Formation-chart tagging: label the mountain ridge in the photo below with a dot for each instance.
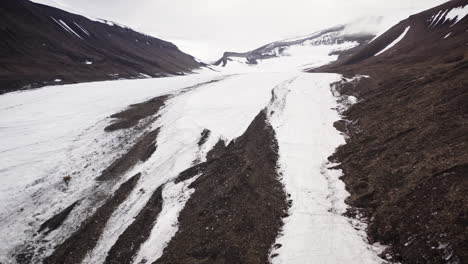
(333, 35)
(43, 45)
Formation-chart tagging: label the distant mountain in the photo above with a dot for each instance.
(42, 45)
(331, 36)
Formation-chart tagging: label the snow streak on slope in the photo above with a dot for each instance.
(315, 231)
(391, 45)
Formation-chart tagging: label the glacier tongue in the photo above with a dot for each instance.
(44, 128)
(316, 231)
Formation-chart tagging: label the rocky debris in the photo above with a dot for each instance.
(217, 151)
(132, 238)
(136, 112)
(405, 161)
(55, 221)
(141, 151)
(75, 248)
(204, 137)
(235, 212)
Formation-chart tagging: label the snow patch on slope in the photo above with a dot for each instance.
(457, 14)
(82, 29)
(396, 41)
(435, 18)
(453, 16)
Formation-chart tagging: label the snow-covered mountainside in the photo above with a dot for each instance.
(435, 29)
(301, 45)
(42, 45)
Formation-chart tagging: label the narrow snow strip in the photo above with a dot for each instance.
(61, 25)
(394, 42)
(82, 29)
(435, 18)
(315, 231)
(457, 14)
(66, 27)
(175, 196)
(448, 35)
(145, 75)
(69, 29)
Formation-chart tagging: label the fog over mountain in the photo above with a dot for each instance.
(206, 28)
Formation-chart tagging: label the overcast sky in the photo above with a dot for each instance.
(206, 28)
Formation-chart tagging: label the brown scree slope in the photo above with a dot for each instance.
(406, 160)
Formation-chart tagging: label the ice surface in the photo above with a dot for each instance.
(315, 231)
(391, 45)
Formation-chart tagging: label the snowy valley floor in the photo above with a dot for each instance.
(232, 167)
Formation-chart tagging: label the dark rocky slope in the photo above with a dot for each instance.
(41, 44)
(406, 160)
(240, 221)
